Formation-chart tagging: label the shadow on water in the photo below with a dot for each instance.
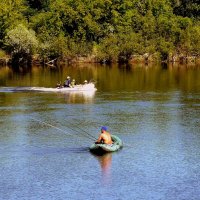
(49, 150)
(62, 150)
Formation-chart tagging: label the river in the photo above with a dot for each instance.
(155, 110)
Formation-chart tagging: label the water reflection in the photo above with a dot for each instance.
(110, 77)
(105, 162)
(75, 97)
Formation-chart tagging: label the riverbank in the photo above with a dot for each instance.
(134, 59)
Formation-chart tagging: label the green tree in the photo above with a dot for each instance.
(47, 25)
(187, 8)
(108, 50)
(39, 4)
(22, 43)
(195, 40)
(129, 44)
(11, 14)
(111, 29)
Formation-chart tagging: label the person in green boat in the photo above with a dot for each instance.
(104, 137)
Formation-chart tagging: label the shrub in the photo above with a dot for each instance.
(21, 43)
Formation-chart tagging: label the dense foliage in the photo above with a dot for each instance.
(109, 30)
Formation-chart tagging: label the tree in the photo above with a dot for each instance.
(39, 4)
(113, 29)
(187, 8)
(47, 25)
(195, 40)
(22, 43)
(11, 14)
(107, 50)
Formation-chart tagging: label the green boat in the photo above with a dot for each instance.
(103, 148)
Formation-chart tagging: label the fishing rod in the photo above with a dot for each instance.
(125, 144)
(78, 127)
(91, 136)
(61, 130)
(88, 135)
(42, 122)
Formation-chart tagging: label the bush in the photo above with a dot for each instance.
(21, 43)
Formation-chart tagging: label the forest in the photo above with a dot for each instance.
(101, 30)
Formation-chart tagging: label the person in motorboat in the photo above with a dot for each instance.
(59, 85)
(73, 83)
(104, 137)
(85, 82)
(67, 82)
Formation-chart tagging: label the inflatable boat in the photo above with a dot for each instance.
(103, 148)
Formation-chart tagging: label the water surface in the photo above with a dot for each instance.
(44, 144)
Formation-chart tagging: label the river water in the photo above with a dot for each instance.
(44, 143)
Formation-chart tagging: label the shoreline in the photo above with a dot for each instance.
(135, 59)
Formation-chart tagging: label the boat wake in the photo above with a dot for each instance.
(78, 88)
